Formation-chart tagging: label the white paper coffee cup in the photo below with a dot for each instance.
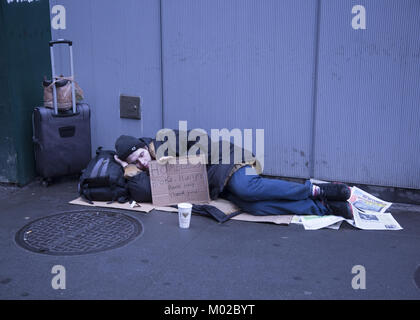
(184, 214)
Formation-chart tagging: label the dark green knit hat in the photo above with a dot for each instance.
(126, 145)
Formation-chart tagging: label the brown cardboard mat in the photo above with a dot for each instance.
(223, 205)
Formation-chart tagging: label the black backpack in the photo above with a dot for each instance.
(103, 179)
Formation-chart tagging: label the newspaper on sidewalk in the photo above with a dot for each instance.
(371, 220)
(369, 213)
(365, 201)
(314, 222)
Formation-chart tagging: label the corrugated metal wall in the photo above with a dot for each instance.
(243, 64)
(368, 97)
(116, 51)
(335, 103)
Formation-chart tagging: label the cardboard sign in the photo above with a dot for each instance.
(182, 181)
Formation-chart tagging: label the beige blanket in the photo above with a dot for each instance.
(222, 204)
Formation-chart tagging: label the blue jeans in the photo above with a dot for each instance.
(264, 196)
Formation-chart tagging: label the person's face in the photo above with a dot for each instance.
(141, 158)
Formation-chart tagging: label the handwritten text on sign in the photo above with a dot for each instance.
(175, 183)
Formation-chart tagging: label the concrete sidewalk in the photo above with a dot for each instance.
(234, 260)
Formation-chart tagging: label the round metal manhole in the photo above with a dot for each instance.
(417, 277)
(78, 232)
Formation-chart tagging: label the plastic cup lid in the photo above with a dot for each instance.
(185, 205)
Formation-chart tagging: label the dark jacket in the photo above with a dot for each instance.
(218, 173)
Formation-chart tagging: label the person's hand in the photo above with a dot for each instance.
(165, 160)
(122, 163)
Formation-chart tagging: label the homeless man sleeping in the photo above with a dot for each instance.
(236, 182)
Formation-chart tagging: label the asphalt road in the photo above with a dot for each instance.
(234, 260)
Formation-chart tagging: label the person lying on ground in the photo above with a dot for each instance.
(236, 182)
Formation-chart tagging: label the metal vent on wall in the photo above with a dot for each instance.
(130, 107)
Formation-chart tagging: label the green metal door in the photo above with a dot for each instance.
(24, 60)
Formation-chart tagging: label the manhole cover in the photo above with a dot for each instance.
(417, 277)
(78, 232)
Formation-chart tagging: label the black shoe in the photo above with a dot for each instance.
(340, 208)
(335, 191)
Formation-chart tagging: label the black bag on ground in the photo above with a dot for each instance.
(103, 179)
(139, 187)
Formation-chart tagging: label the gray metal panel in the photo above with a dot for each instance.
(116, 51)
(243, 64)
(367, 111)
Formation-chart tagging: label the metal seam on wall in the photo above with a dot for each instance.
(162, 101)
(314, 90)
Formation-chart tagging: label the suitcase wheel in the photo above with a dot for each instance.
(46, 182)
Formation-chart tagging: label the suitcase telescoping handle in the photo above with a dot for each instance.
(53, 42)
(73, 92)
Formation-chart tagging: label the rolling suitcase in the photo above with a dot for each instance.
(62, 140)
